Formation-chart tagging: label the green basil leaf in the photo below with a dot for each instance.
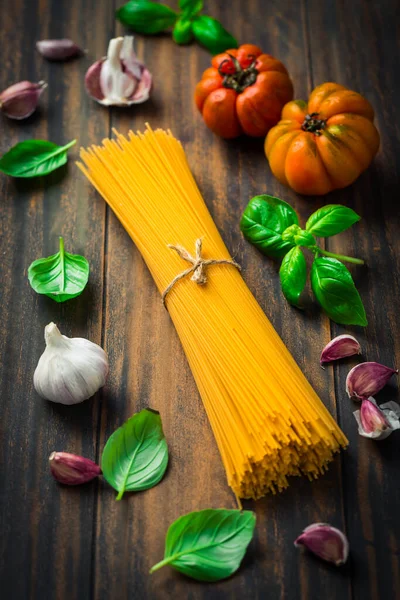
(264, 220)
(61, 276)
(135, 456)
(208, 545)
(190, 8)
(182, 32)
(34, 158)
(210, 33)
(293, 275)
(334, 289)
(331, 219)
(146, 17)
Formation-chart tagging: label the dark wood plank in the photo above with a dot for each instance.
(79, 543)
(356, 44)
(149, 367)
(47, 530)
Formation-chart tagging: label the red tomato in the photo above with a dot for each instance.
(243, 92)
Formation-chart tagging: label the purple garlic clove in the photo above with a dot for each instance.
(119, 79)
(340, 347)
(367, 379)
(20, 100)
(372, 418)
(376, 422)
(72, 469)
(325, 541)
(59, 49)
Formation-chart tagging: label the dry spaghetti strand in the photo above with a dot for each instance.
(268, 422)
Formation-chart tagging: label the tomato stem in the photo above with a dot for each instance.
(240, 78)
(313, 125)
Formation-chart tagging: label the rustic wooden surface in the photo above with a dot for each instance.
(78, 543)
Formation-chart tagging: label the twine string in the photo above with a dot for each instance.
(198, 267)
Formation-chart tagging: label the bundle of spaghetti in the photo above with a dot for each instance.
(267, 420)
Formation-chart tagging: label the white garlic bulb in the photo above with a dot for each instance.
(70, 370)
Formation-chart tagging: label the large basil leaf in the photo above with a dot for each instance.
(331, 219)
(146, 17)
(61, 276)
(334, 289)
(293, 275)
(210, 33)
(135, 456)
(208, 545)
(264, 220)
(34, 158)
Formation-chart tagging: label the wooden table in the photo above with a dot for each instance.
(78, 543)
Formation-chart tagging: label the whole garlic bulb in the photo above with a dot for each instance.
(70, 370)
(119, 79)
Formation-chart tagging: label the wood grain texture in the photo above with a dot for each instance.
(370, 471)
(47, 533)
(60, 543)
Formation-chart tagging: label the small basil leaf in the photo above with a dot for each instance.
(298, 236)
(190, 8)
(61, 276)
(264, 220)
(182, 32)
(331, 219)
(293, 275)
(146, 17)
(304, 238)
(135, 456)
(33, 158)
(208, 545)
(290, 232)
(210, 33)
(334, 289)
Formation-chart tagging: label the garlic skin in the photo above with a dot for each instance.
(377, 422)
(70, 370)
(62, 49)
(71, 469)
(367, 379)
(340, 347)
(119, 79)
(20, 100)
(325, 541)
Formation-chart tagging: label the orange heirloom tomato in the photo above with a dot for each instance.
(325, 144)
(243, 92)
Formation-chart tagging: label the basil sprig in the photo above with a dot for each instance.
(273, 227)
(208, 545)
(61, 276)
(150, 18)
(135, 456)
(33, 158)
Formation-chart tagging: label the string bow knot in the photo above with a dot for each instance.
(198, 267)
